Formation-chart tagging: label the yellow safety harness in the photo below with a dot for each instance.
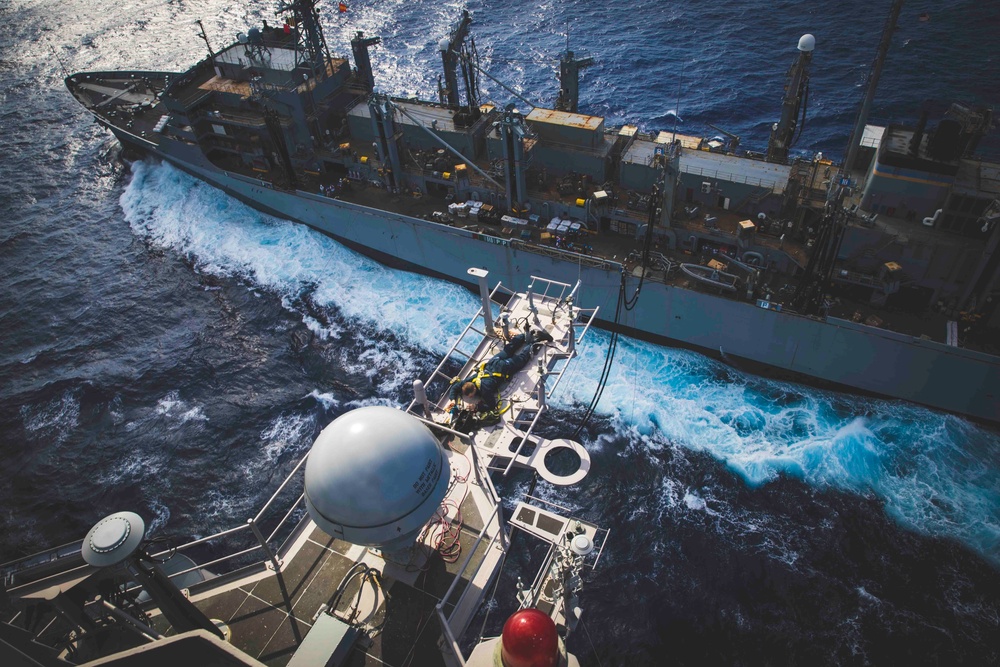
(481, 373)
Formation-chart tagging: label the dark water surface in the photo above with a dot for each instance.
(169, 351)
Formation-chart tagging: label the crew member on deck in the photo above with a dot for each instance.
(481, 389)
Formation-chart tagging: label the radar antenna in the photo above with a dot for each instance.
(119, 540)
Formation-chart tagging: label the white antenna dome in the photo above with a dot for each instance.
(444, 44)
(807, 43)
(581, 545)
(374, 477)
(113, 539)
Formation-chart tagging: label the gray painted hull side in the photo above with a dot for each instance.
(832, 350)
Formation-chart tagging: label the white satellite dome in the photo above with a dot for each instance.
(807, 43)
(374, 477)
(113, 539)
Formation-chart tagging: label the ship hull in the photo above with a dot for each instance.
(828, 350)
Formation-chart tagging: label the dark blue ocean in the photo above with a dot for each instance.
(167, 350)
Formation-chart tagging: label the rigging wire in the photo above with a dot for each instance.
(647, 245)
(628, 303)
(608, 361)
(587, 632)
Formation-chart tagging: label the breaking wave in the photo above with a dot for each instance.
(936, 473)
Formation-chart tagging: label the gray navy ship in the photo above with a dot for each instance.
(881, 274)
(387, 544)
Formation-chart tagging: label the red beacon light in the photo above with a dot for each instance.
(529, 639)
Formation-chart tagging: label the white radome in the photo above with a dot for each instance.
(374, 477)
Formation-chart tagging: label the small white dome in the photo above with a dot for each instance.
(807, 43)
(374, 477)
(113, 539)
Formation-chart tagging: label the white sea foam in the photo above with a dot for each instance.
(161, 517)
(287, 433)
(53, 421)
(938, 474)
(172, 406)
(225, 238)
(695, 502)
(136, 466)
(326, 399)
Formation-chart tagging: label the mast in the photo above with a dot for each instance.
(513, 135)
(450, 52)
(312, 43)
(796, 94)
(873, 76)
(569, 80)
(204, 36)
(362, 60)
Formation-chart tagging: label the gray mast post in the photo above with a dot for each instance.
(420, 396)
(384, 126)
(513, 132)
(569, 80)
(449, 47)
(873, 77)
(362, 60)
(540, 385)
(783, 132)
(484, 294)
(204, 36)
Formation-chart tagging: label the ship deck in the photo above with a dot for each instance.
(270, 614)
(125, 99)
(317, 596)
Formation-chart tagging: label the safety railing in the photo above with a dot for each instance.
(18, 573)
(729, 177)
(455, 349)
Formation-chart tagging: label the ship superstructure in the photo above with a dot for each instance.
(882, 277)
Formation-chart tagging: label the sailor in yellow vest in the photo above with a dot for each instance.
(481, 388)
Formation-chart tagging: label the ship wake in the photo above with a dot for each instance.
(934, 473)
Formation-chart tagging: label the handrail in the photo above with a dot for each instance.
(264, 542)
(726, 176)
(524, 437)
(465, 564)
(188, 545)
(281, 488)
(471, 326)
(452, 643)
(291, 509)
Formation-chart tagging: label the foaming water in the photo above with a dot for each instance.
(222, 237)
(173, 407)
(55, 420)
(936, 473)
